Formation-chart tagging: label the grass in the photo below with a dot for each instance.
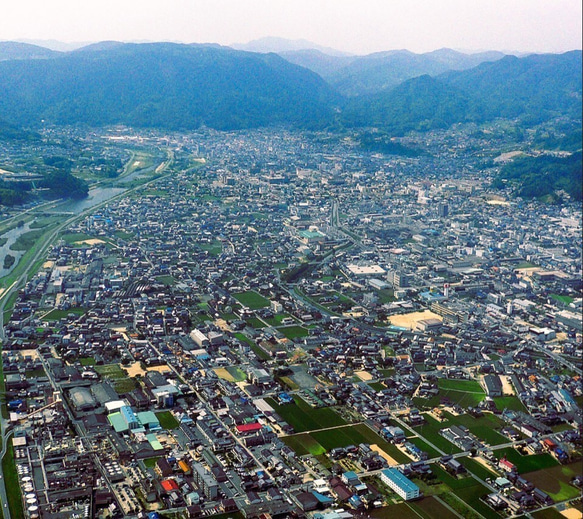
(26, 240)
(72, 237)
(251, 299)
(472, 494)
(483, 427)
(475, 467)
(214, 248)
(431, 452)
(432, 509)
(55, 315)
(555, 480)
(303, 417)
(566, 300)
(254, 322)
(150, 463)
(528, 463)
(237, 374)
(400, 510)
(468, 386)
(87, 361)
(294, 332)
(260, 352)
(121, 382)
(277, 319)
(167, 420)
(462, 398)
(12, 484)
(166, 280)
(303, 444)
(548, 513)
(512, 403)
(431, 430)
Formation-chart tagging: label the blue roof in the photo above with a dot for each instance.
(322, 498)
(128, 414)
(404, 483)
(565, 394)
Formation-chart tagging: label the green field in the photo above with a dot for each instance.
(254, 322)
(27, 240)
(431, 508)
(566, 300)
(12, 483)
(467, 386)
(71, 238)
(482, 427)
(527, 463)
(464, 399)
(511, 403)
(167, 420)
(400, 510)
(121, 382)
(251, 299)
(303, 417)
(55, 315)
(477, 468)
(548, 513)
(472, 494)
(319, 442)
(150, 462)
(303, 443)
(431, 452)
(555, 480)
(293, 332)
(431, 430)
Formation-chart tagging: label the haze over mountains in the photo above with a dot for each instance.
(180, 86)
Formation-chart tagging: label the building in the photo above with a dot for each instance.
(402, 486)
(493, 385)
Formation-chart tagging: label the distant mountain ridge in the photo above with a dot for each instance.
(534, 88)
(186, 86)
(359, 75)
(163, 85)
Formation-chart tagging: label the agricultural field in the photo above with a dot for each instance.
(431, 429)
(528, 463)
(167, 420)
(555, 480)
(512, 403)
(320, 442)
(251, 299)
(465, 393)
(400, 510)
(55, 315)
(477, 468)
(303, 417)
(293, 332)
(482, 427)
(431, 508)
(114, 372)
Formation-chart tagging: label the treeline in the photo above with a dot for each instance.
(59, 182)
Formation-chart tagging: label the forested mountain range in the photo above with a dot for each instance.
(177, 86)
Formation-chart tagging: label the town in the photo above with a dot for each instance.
(273, 323)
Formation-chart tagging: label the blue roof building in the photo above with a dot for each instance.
(402, 485)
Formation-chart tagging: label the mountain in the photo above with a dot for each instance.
(534, 89)
(59, 46)
(17, 50)
(279, 45)
(358, 75)
(164, 85)
(422, 103)
(538, 86)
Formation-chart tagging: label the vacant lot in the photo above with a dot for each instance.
(468, 386)
(410, 320)
(121, 382)
(251, 299)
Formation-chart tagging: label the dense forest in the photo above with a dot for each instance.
(543, 175)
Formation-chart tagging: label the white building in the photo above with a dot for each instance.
(402, 486)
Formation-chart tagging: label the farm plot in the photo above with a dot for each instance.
(303, 417)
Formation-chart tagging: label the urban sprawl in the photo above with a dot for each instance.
(280, 324)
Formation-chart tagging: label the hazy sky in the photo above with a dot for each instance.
(358, 26)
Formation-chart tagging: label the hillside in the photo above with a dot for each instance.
(164, 85)
(16, 50)
(532, 89)
(361, 75)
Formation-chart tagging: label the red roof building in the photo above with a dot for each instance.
(249, 428)
(169, 485)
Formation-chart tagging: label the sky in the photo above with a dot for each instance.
(354, 26)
